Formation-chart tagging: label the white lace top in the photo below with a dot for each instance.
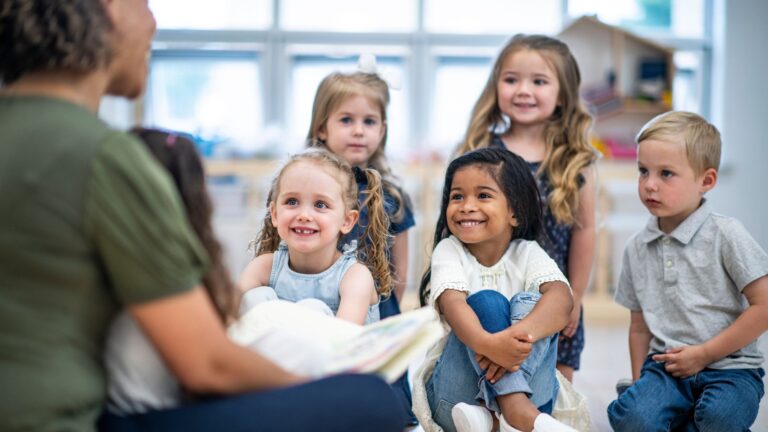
(525, 266)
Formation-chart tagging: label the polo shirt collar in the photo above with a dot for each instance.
(685, 231)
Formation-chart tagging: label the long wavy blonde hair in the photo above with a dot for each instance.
(372, 246)
(568, 150)
(336, 88)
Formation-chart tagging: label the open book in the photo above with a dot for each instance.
(335, 346)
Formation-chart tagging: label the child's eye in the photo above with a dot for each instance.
(291, 202)
(510, 80)
(483, 195)
(539, 81)
(371, 122)
(642, 171)
(321, 205)
(456, 197)
(346, 120)
(666, 173)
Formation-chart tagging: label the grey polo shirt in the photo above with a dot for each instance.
(689, 283)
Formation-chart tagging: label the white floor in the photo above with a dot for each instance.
(606, 359)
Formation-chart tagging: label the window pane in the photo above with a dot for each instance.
(688, 84)
(213, 15)
(680, 18)
(492, 16)
(457, 85)
(307, 73)
(349, 15)
(217, 98)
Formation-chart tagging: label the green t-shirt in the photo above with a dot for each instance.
(89, 222)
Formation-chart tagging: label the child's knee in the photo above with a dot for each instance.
(491, 308)
(522, 304)
(255, 296)
(316, 305)
(724, 413)
(626, 416)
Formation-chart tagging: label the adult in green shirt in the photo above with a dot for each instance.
(89, 223)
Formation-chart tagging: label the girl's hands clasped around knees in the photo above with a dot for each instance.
(506, 350)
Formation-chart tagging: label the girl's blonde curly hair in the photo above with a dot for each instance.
(372, 245)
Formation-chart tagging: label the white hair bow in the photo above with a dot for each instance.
(366, 63)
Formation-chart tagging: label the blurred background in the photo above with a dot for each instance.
(240, 77)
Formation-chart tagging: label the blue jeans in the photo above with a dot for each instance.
(458, 378)
(712, 400)
(338, 403)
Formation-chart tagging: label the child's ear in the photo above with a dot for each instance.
(350, 219)
(708, 180)
(272, 213)
(513, 220)
(321, 133)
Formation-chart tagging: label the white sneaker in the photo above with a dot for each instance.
(542, 423)
(547, 423)
(471, 418)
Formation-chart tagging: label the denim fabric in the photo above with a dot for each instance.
(339, 403)
(713, 400)
(458, 378)
(324, 286)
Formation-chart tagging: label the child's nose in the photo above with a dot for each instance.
(305, 214)
(469, 206)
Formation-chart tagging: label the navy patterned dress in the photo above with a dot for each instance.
(556, 240)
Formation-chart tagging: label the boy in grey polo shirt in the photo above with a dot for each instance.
(696, 285)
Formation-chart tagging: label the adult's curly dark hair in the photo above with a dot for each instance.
(39, 35)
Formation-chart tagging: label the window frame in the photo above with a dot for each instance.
(422, 52)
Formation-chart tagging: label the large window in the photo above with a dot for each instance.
(241, 74)
(214, 96)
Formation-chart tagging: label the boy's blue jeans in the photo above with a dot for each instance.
(458, 378)
(712, 400)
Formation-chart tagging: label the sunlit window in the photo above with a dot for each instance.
(349, 15)
(217, 98)
(309, 70)
(457, 85)
(492, 16)
(680, 18)
(212, 15)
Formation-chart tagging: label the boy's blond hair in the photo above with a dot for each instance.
(701, 138)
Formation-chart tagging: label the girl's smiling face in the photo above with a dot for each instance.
(354, 130)
(308, 211)
(478, 214)
(528, 88)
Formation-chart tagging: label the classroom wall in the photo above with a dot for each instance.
(740, 110)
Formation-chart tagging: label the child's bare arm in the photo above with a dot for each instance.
(503, 348)
(357, 292)
(399, 255)
(753, 322)
(639, 341)
(256, 273)
(551, 312)
(582, 248)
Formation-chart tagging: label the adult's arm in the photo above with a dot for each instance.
(187, 333)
